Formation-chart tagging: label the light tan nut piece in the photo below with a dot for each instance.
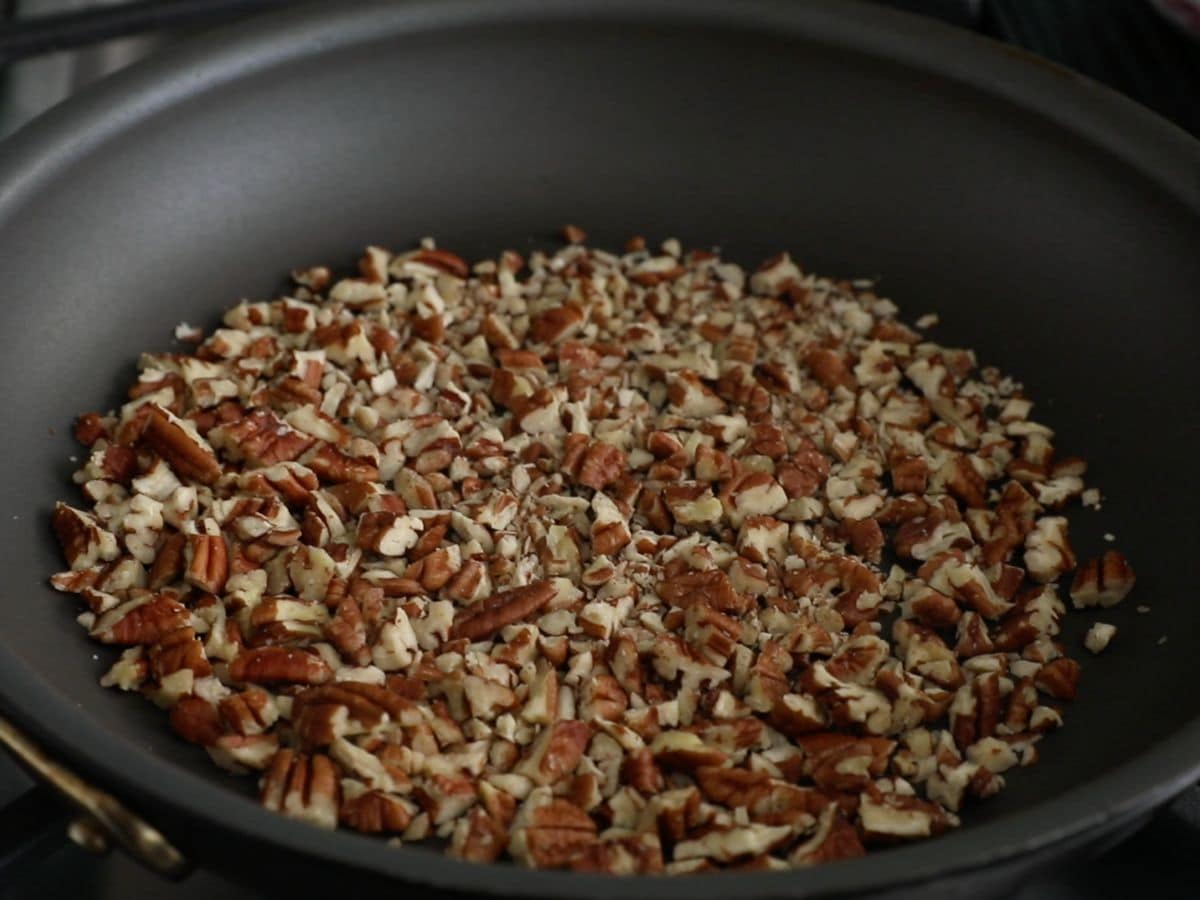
(1099, 636)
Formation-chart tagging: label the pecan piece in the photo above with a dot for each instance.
(348, 632)
(178, 650)
(143, 620)
(302, 787)
(711, 588)
(1059, 678)
(635, 854)
(178, 442)
(320, 715)
(168, 562)
(594, 464)
(556, 751)
(500, 609)
(374, 812)
(275, 665)
(549, 833)
(260, 439)
(196, 720)
(1103, 582)
(482, 839)
(84, 542)
(834, 838)
(206, 557)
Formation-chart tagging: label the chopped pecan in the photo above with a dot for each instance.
(84, 542)
(302, 787)
(374, 812)
(556, 751)
(548, 833)
(501, 609)
(322, 714)
(1059, 678)
(1048, 552)
(709, 587)
(273, 665)
(594, 464)
(834, 838)
(146, 619)
(260, 439)
(196, 720)
(1103, 582)
(206, 557)
(576, 559)
(177, 441)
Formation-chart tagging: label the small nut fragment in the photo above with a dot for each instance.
(1099, 636)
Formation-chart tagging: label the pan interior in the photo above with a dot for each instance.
(1045, 254)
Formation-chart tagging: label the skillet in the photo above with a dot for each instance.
(1053, 226)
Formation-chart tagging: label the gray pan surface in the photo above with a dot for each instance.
(1053, 226)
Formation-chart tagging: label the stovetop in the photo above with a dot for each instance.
(1120, 42)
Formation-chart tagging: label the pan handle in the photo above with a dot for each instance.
(102, 820)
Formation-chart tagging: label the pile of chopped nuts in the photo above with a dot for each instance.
(622, 563)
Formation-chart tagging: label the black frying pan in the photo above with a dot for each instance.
(1055, 228)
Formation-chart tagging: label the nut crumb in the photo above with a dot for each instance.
(1099, 635)
(189, 334)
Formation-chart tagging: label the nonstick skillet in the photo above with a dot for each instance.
(1053, 226)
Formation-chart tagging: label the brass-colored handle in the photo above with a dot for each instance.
(103, 819)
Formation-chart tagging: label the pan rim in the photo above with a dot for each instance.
(1146, 145)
